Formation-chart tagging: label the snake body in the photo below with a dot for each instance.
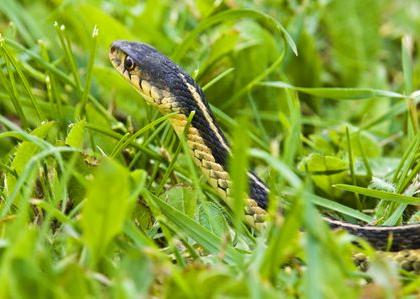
(168, 87)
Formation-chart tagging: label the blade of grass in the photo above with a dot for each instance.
(407, 66)
(7, 55)
(15, 14)
(118, 146)
(407, 162)
(335, 206)
(397, 109)
(384, 195)
(218, 78)
(364, 158)
(62, 76)
(146, 128)
(396, 215)
(352, 174)
(117, 136)
(11, 86)
(410, 177)
(292, 141)
(336, 92)
(89, 72)
(66, 45)
(238, 165)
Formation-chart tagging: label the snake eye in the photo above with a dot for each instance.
(129, 63)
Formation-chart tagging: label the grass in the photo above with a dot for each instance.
(100, 199)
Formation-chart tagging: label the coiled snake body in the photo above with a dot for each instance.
(169, 88)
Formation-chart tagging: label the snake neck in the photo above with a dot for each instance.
(208, 144)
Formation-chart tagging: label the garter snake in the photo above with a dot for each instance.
(170, 89)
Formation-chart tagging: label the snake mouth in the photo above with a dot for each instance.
(117, 57)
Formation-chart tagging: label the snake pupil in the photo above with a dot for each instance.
(128, 63)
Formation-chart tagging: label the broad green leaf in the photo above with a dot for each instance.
(106, 207)
(322, 165)
(369, 144)
(75, 138)
(325, 171)
(182, 199)
(211, 217)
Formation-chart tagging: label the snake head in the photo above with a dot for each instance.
(154, 75)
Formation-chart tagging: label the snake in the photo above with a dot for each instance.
(169, 88)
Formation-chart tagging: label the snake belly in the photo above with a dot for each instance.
(170, 89)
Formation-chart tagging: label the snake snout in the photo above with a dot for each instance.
(115, 56)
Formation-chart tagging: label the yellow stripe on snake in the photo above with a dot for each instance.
(170, 89)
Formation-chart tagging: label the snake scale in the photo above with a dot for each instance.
(170, 89)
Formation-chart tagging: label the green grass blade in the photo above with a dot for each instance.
(92, 55)
(336, 92)
(65, 44)
(24, 81)
(351, 166)
(335, 206)
(292, 141)
(397, 198)
(238, 166)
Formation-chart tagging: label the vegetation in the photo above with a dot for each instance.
(99, 198)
